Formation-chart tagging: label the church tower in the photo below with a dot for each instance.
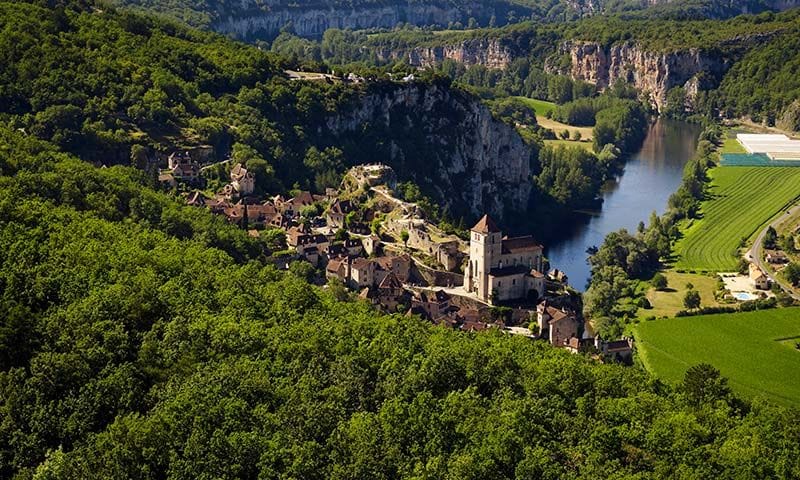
(485, 247)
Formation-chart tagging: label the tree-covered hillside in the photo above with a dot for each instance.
(119, 88)
(207, 13)
(143, 339)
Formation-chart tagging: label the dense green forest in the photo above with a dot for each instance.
(144, 339)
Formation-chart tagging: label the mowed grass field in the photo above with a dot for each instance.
(731, 145)
(741, 200)
(668, 302)
(752, 349)
(541, 107)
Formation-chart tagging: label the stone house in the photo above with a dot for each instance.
(502, 268)
(372, 244)
(616, 350)
(399, 265)
(187, 172)
(759, 279)
(362, 273)
(338, 212)
(262, 215)
(777, 258)
(177, 158)
(339, 268)
(556, 325)
(433, 305)
(294, 205)
(391, 293)
(242, 180)
(353, 246)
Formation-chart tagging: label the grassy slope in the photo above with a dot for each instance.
(668, 303)
(731, 145)
(745, 347)
(741, 200)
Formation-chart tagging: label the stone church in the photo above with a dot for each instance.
(502, 268)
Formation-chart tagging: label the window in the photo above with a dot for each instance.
(513, 282)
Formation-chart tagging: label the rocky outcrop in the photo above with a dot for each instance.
(488, 52)
(444, 140)
(252, 21)
(652, 73)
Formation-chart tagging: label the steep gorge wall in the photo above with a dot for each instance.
(444, 140)
(488, 52)
(251, 22)
(652, 73)
(716, 9)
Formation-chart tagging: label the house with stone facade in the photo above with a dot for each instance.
(338, 212)
(759, 278)
(242, 180)
(558, 326)
(501, 268)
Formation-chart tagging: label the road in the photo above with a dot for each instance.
(755, 254)
(202, 169)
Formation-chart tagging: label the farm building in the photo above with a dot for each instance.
(774, 146)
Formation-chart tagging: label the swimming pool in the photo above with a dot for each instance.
(744, 296)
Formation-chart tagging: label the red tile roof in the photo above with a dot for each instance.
(485, 225)
(391, 281)
(520, 244)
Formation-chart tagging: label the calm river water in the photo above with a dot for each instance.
(650, 177)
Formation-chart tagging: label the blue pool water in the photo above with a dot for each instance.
(744, 296)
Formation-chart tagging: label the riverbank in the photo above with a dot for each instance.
(646, 181)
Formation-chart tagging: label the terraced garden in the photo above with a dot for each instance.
(755, 350)
(741, 200)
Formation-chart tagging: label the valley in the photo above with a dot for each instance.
(442, 240)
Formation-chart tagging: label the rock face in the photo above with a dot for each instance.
(716, 9)
(253, 20)
(445, 141)
(652, 73)
(488, 52)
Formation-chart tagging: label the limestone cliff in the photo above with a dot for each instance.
(444, 140)
(252, 19)
(714, 9)
(489, 52)
(652, 73)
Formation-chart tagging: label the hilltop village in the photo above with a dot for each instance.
(367, 239)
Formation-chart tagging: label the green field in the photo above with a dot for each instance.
(752, 349)
(741, 200)
(542, 107)
(731, 145)
(569, 143)
(670, 301)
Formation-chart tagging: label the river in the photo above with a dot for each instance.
(651, 175)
